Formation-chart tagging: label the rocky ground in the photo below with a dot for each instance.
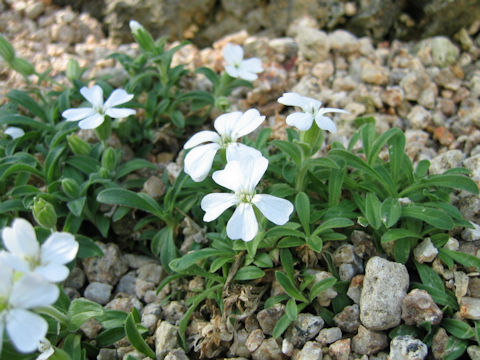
(429, 88)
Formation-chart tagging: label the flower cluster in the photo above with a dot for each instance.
(28, 273)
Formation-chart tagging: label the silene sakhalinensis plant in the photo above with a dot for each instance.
(265, 209)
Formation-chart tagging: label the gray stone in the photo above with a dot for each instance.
(98, 292)
(348, 319)
(470, 308)
(368, 342)
(151, 272)
(425, 251)
(310, 351)
(448, 160)
(142, 287)
(91, 328)
(444, 52)
(384, 287)
(34, 9)
(313, 44)
(473, 164)
(419, 117)
(127, 283)
(165, 339)
(393, 95)
(136, 261)
(439, 343)
(154, 187)
(108, 268)
(304, 328)
(238, 347)
(340, 350)
(254, 340)
(150, 315)
(471, 234)
(418, 306)
(176, 354)
(107, 354)
(355, 289)
(329, 335)
(414, 83)
(76, 279)
(374, 74)
(474, 352)
(325, 297)
(268, 350)
(174, 311)
(343, 42)
(267, 318)
(124, 302)
(407, 348)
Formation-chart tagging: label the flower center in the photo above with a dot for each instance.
(3, 304)
(99, 109)
(245, 196)
(225, 141)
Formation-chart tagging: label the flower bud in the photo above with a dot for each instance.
(109, 159)
(78, 146)
(73, 70)
(104, 173)
(7, 52)
(44, 213)
(142, 36)
(71, 188)
(22, 66)
(222, 103)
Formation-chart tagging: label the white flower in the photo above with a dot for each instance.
(230, 127)
(237, 67)
(311, 110)
(135, 26)
(242, 176)
(46, 350)
(25, 254)
(25, 328)
(14, 132)
(93, 117)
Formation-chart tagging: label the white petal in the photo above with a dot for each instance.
(233, 54)
(254, 171)
(232, 71)
(232, 177)
(302, 121)
(225, 123)
(32, 291)
(293, 99)
(20, 239)
(25, 329)
(248, 122)
(253, 65)
(275, 209)
(243, 223)
(246, 75)
(59, 248)
(92, 122)
(52, 272)
(2, 327)
(333, 110)
(14, 132)
(119, 113)
(325, 123)
(6, 274)
(78, 114)
(14, 261)
(215, 204)
(94, 95)
(241, 152)
(198, 161)
(117, 97)
(201, 137)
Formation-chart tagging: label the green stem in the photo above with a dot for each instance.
(300, 179)
(54, 313)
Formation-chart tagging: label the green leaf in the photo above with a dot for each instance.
(76, 206)
(289, 242)
(87, 247)
(210, 74)
(275, 300)
(110, 336)
(122, 197)
(133, 165)
(178, 119)
(22, 98)
(282, 324)
(20, 120)
(263, 260)
(136, 339)
(321, 286)
(195, 256)
(439, 296)
(11, 205)
(462, 258)
(372, 211)
(315, 242)
(332, 223)
(289, 287)
(280, 231)
(290, 150)
(397, 234)
(458, 328)
(380, 142)
(72, 346)
(249, 273)
(291, 310)
(434, 217)
(401, 250)
(81, 310)
(302, 206)
(286, 260)
(390, 212)
(454, 348)
(335, 182)
(168, 251)
(429, 276)
(405, 330)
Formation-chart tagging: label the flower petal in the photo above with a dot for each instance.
(6, 274)
(20, 239)
(94, 95)
(232, 71)
(275, 209)
(293, 99)
(198, 161)
(32, 291)
(14, 261)
(215, 204)
(25, 329)
(14, 132)
(91, 122)
(325, 123)
(246, 75)
(243, 223)
(300, 120)
(333, 110)
(253, 65)
(119, 113)
(201, 137)
(52, 272)
(241, 152)
(225, 123)
(78, 114)
(231, 177)
(59, 248)
(248, 122)
(233, 54)
(254, 171)
(117, 97)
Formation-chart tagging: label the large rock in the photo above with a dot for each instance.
(384, 287)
